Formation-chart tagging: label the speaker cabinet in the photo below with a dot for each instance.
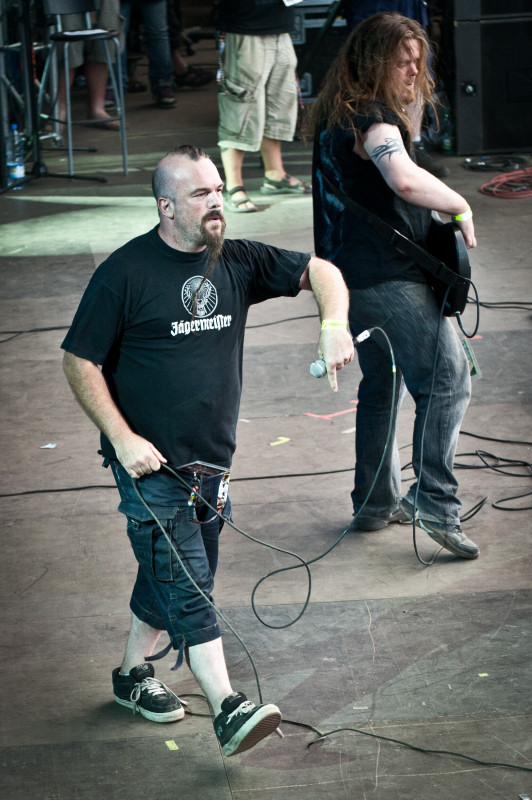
(493, 78)
(315, 44)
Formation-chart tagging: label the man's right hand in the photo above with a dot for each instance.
(138, 456)
(468, 232)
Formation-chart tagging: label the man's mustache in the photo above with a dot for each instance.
(213, 215)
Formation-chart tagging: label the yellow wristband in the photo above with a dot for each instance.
(463, 217)
(333, 323)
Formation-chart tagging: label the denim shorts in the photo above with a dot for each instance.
(164, 596)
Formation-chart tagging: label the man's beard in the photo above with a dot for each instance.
(214, 243)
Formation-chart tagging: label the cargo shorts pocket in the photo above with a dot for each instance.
(152, 549)
(234, 118)
(236, 93)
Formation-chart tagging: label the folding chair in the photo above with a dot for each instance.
(62, 39)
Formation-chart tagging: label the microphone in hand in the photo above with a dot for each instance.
(318, 369)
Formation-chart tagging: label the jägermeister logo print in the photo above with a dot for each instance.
(206, 299)
(200, 307)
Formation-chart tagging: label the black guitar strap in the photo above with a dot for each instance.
(397, 240)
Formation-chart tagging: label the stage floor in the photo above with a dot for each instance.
(437, 657)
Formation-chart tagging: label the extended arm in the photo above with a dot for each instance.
(335, 345)
(137, 455)
(383, 144)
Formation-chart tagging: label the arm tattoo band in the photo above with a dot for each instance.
(391, 146)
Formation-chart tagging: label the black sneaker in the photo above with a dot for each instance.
(241, 724)
(164, 96)
(451, 537)
(146, 695)
(365, 522)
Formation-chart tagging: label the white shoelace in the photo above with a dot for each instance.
(243, 708)
(151, 686)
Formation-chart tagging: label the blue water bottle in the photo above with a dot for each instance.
(16, 170)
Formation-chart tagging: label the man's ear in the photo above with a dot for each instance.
(166, 207)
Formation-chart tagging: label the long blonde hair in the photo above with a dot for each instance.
(361, 76)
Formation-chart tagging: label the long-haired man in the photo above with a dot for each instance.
(363, 144)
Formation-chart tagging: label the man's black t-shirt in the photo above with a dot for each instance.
(254, 17)
(177, 377)
(339, 235)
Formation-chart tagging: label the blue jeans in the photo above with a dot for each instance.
(155, 18)
(409, 315)
(163, 595)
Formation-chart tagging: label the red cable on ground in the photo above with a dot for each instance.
(510, 185)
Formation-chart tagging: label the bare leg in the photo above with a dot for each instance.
(180, 65)
(141, 643)
(273, 163)
(207, 663)
(273, 160)
(253, 723)
(270, 150)
(233, 161)
(96, 73)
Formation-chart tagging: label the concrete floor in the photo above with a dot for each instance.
(438, 657)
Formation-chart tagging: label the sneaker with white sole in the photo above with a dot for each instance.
(365, 522)
(241, 724)
(146, 695)
(451, 537)
(164, 96)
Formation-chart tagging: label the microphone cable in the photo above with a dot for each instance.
(479, 505)
(320, 736)
(458, 316)
(422, 442)
(302, 562)
(187, 573)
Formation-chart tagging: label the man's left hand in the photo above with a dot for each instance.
(336, 348)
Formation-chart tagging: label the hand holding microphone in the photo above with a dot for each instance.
(318, 368)
(335, 348)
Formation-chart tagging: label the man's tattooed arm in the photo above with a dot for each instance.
(390, 147)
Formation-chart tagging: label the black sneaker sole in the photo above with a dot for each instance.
(252, 732)
(153, 716)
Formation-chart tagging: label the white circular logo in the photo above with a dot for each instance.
(206, 299)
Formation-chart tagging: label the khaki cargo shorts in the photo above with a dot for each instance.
(109, 18)
(258, 90)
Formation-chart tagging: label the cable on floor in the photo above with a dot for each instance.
(320, 736)
(510, 186)
(466, 516)
(515, 305)
(13, 334)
